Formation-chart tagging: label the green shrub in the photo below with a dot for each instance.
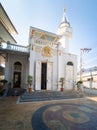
(79, 82)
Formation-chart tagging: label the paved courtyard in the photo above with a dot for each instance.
(64, 114)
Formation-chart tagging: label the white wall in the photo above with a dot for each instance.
(12, 58)
(66, 57)
(59, 65)
(65, 43)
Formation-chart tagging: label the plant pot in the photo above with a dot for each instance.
(30, 90)
(62, 89)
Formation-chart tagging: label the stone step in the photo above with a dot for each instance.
(41, 96)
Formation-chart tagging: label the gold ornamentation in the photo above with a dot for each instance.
(47, 51)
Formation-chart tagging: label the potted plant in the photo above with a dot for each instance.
(3, 82)
(80, 84)
(30, 81)
(62, 83)
(2, 86)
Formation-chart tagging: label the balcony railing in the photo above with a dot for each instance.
(14, 47)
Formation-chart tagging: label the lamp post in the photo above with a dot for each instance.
(82, 50)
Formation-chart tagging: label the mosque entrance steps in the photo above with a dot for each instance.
(48, 95)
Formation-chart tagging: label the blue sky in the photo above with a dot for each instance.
(47, 15)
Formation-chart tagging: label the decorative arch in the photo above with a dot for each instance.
(17, 66)
(17, 63)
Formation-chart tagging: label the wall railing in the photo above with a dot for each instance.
(14, 47)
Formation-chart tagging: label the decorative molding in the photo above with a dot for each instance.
(38, 49)
(46, 51)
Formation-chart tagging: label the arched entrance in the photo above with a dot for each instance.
(17, 75)
(69, 74)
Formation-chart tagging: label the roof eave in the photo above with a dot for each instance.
(15, 31)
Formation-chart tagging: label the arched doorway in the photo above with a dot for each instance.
(17, 75)
(69, 74)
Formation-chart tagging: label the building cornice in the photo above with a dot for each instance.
(8, 33)
(9, 26)
(46, 32)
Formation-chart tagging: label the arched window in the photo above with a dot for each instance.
(70, 63)
(17, 66)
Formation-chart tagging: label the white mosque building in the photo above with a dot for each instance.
(47, 59)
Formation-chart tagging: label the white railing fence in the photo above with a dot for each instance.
(14, 47)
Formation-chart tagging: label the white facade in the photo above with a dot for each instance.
(17, 69)
(47, 59)
(50, 58)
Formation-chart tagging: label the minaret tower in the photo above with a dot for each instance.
(65, 31)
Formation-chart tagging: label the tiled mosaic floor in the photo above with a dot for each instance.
(76, 114)
(65, 117)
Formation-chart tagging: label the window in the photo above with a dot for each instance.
(70, 63)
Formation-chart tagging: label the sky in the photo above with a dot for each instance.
(47, 15)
